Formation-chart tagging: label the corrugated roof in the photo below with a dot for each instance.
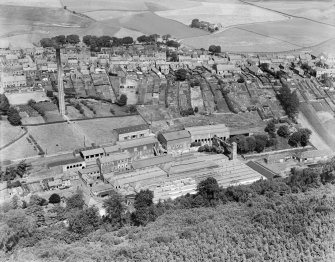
(66, 162)
(208, 129)
(175, 135)
(153, 161)
(261, 169)
(110, 149)
(92, 151)
(130, 129)
(138, 142)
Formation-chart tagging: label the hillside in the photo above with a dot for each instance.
(281, 220)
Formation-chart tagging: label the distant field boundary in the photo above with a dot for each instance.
(80, 119)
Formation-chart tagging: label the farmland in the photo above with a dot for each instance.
(150, 23)
(227, 14)
(237, 40)
(322, 11)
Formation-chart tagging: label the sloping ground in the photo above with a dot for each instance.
(237, 40)
(228, 14)
(40, 16)
(300, 32)
(322, 11)
(35, 3)
(150, 23)
(89, 5)
(321, 137)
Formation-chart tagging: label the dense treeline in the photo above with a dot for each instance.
(59, 40)
(289, 219)
(289, 100)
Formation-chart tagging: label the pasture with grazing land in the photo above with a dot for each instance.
(227, 14)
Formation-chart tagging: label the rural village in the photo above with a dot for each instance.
(154, 114)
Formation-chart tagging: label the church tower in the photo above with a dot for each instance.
(61, 99)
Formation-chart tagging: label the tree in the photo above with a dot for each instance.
(132, 109)
(127, 40)
(122, 100)
(209, 190)
(181, 74)
(84, 221)
(260, 143)
(145, 210)
(54, 199)
(14, 117)
(72, 39)
(289, 100)
(295, 139)
(283, 131)
(115, 209)
(305, 136)
(46, 42)
(4, 104)
(195, 23)
(172, 43)
(251, 143)
(270, 127)
(75, 201)
(166, 37)
(214, 49)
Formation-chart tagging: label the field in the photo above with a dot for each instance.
(150, 23)
(18, 150)
(55, 138)
(33, 3)
(23, 98)
(322, 11)
(227, 14)
(100, 131)
(237, 40)
(9, 132)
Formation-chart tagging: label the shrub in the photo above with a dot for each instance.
(54, 199)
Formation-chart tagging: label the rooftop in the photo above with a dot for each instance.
(175, 135)
(65, 162)
(261, 169)
(138, 142)
(92, 151)
(130, 129)
(153, 161)
(114, 157)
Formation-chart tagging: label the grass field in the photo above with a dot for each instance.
(34, 3)
(100, 131)
(237, 40)
(55, 138)
(322, 11)
(300, 32)
(9, 132)
(19, 150)
(88, 5)
(23, 98)
(150, 23)
(227, 14)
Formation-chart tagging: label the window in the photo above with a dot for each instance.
(141, 135)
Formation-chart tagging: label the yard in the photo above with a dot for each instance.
(8, 132)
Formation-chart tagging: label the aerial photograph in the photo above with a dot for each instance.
(167, 130)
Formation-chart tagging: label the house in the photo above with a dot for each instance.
(175, 141)
(132, 132)
(116, 162)
(140, 148)
(205, 134)
(9, 82)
